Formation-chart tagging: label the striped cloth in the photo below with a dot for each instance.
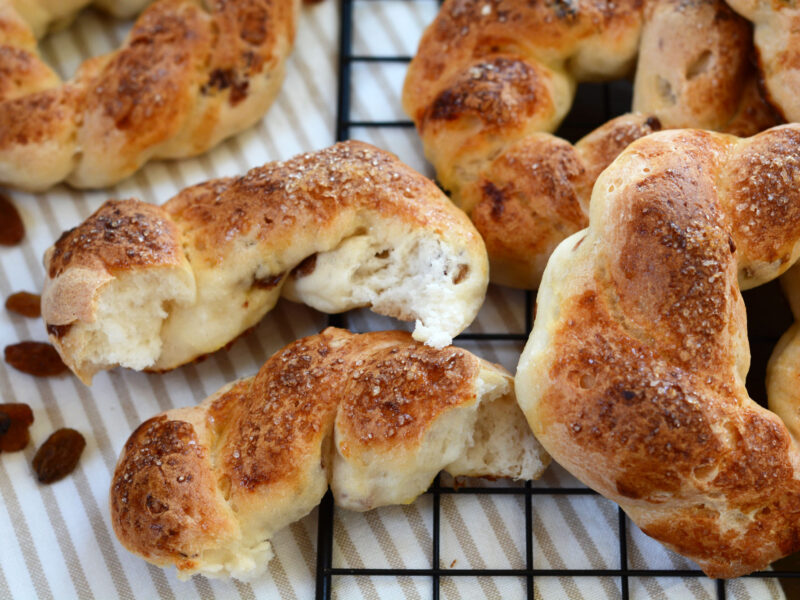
(56, 541)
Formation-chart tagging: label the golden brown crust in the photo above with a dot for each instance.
(537, 192)
(120, 235)
(223, 250)
(489, 77)
(308, 193)
(164, 500)
(394, 394)
(634, 375)
(204, 486)
(148, 86)
(289, 408)
(185, 78)
(22, 73)
(465, 30)
(762, 183)
(38, 117)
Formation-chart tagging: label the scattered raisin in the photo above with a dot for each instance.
(15, 419)
(11, 228)
(35, 358)
(59, 455)
(25, 304)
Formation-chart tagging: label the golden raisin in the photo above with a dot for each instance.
(35, 358)
(11, 228)
(15, 419)
(59, 455)
(25, 304)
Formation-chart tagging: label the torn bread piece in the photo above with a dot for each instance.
(376, 416)
(154, 287)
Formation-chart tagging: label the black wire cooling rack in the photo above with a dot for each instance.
(594, 104)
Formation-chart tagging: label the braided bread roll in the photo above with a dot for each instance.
(777, 39)
(490, 77)
(375, 416)
(185, 78)
(154, 287)
(634, 375)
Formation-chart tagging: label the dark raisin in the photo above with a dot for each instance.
(267, 283)
(11, 228)
(15, 419)
(35, 358)
(59, 455)
(306, 267)
(59, 330)
(25, 304)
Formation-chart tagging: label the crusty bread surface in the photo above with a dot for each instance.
(188, 75)
(154, 287)
(634, 375)
(490, 78)
(376, 416)
(777, 37)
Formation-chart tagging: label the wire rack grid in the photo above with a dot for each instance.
(594, 104)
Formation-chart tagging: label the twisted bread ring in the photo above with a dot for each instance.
(490, 75)
(185, 78)
(634, 375)
(154, 287)
(376, 416)
(777, 39)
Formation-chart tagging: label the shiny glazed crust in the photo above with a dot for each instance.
(633, 377)
(376, 416)
(188, 75)
(156, 286)
(490, 77)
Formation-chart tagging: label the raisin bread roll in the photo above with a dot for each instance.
(376, 416)
(154, 287)
(188, 75)
(634, 375)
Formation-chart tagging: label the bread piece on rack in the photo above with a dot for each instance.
(491, 79)
(536, 193)
(376, 415)
(154, 287)
(634, 375)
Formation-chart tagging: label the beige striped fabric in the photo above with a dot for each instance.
(56, 541)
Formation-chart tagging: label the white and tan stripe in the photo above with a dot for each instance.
(56, 419)
(344, 542)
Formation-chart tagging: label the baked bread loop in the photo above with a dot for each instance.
(490, 76)
(188, 75)
(777, 39)
(634, 375)
(154, 287)
(376, 416)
